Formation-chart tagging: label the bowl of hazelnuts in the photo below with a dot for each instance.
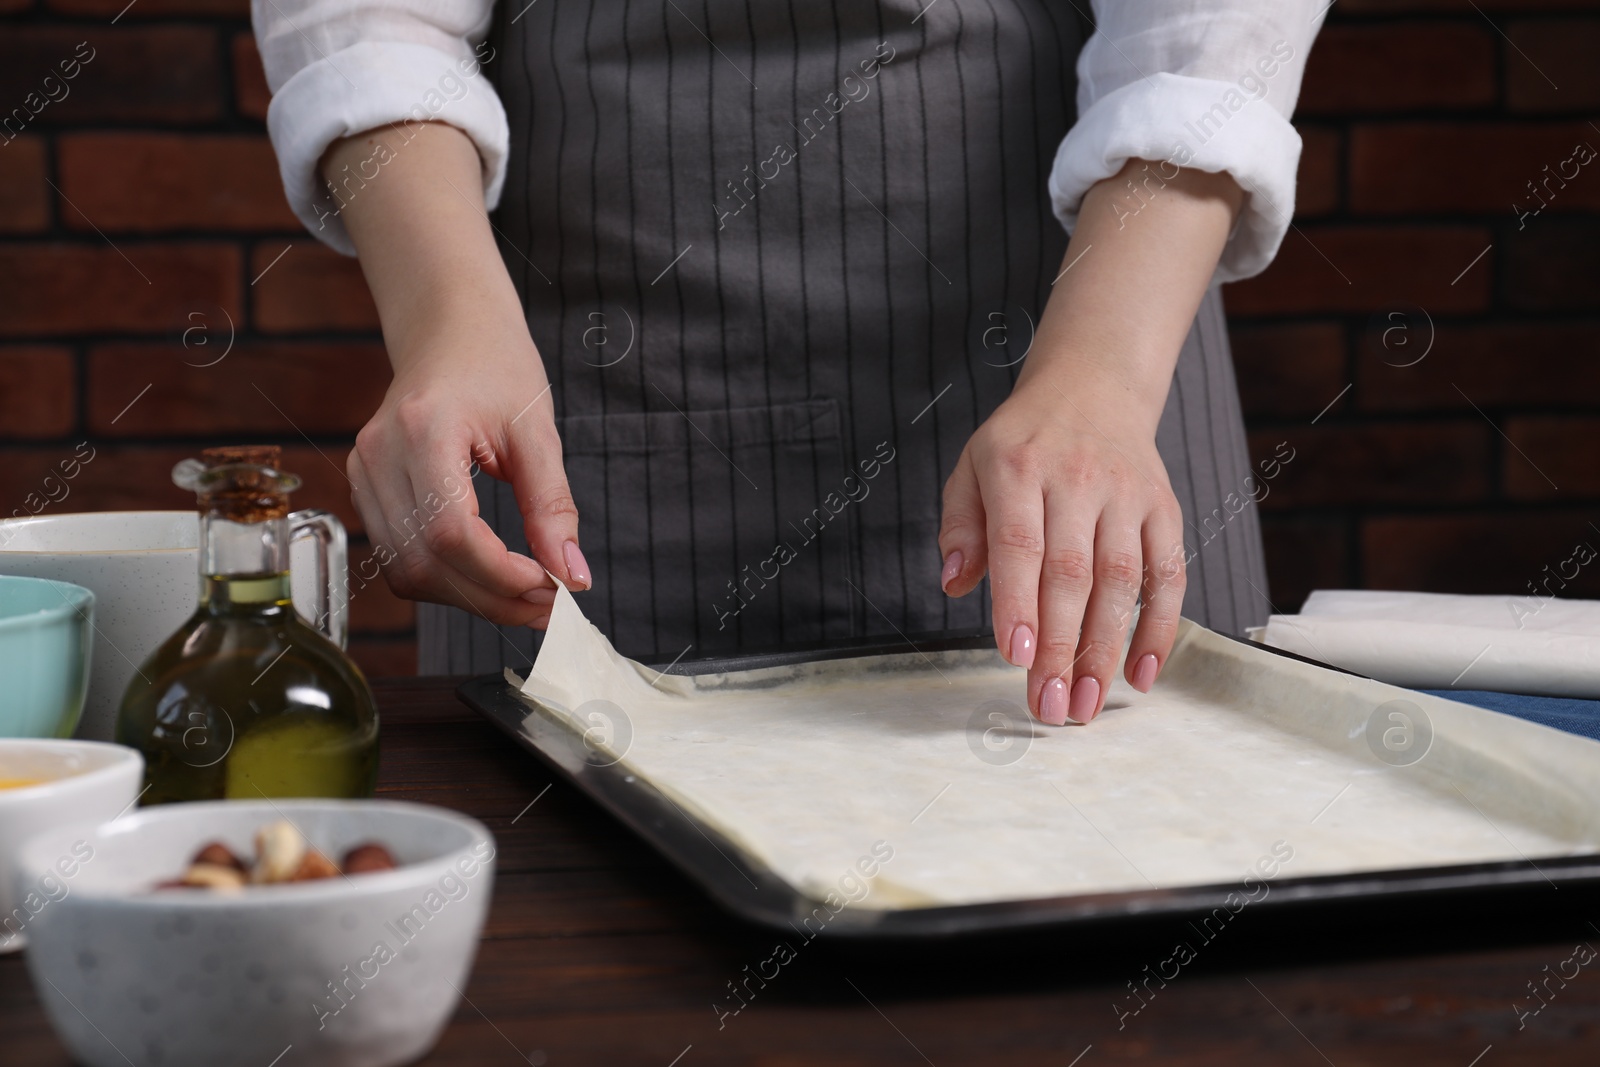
(231, 932)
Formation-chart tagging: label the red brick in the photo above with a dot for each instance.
(1288, 370)
(1554, 267)
(113, 479)
(24, 196)
(1388, 463)
(323, 481)
(1317, 184)
(1476, 553)
(139, 477)
(135, 74)
(1420, 168)
(1565, 50)
(1363, 268)
(273, 388)
(63, 289)
(1551, 456)
(250, 92)
(385, 659)
(1488, 364)
(150, 183)
(1400, 66)
(38, 391)
(1303, 555)
(153, 8)
(311, 288)
(373, 608)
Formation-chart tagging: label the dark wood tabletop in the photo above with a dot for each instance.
(597, 952)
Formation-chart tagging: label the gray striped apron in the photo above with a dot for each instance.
(781, 258)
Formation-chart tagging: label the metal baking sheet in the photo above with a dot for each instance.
(745, 886)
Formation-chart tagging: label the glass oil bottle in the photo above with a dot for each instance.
(247, 700)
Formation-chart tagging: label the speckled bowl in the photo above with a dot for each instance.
(360, 971)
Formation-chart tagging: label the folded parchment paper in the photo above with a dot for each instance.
(1528, 644)
(807, 768)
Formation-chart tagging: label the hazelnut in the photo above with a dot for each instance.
(314, 866)
(368, 857)
(220, 855)
(280, 849)
(213, 876)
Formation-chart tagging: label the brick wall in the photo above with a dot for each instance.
(1474, 466)
(142, 229)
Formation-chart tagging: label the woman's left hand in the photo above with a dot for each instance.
(1066, 504)
(1061, 496)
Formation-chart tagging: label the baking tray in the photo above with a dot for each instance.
(748, 889)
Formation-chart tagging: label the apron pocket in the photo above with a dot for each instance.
(719, 530)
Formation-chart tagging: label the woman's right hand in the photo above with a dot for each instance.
(469, 389)
(476, 397)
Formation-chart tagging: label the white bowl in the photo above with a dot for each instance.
(358, 971)
(85, 782)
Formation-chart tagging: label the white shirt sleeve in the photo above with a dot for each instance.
(340, 67)
(1205, 84)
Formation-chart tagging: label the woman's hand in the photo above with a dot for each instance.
(469, 388)
(1066, 504)
(410, 472)
(1061, 496)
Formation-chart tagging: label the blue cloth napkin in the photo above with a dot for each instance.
(1564, 713)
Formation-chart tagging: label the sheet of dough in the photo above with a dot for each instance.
(806, 767)
(1509, 644)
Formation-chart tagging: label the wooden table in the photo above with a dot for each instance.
(597, 953)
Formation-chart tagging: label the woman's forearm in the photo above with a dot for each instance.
(469, 389)
(412, 201)
(1133, 276)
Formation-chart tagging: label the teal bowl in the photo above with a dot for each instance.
(46, 632)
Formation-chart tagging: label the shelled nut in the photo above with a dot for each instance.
(368, 857)
(213, 876)
(220, 855)
(280, 849)
(315, 865)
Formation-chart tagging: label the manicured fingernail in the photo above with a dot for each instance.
(952, 567)
(1144, 672)
(1085, 697)
(577, 566)
(1053, 702)
(1022, 647)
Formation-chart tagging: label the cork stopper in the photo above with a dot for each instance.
(239, 483)
(255, 455)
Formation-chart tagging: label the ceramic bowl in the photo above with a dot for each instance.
(357, 971)
(78, 782)
(144, 567)
(46, 632)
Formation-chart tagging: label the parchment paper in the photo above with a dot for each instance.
(1236, 751)
(1527, 644)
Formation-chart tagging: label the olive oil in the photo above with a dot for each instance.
(247, 700)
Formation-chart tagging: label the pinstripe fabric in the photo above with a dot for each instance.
(777, 255)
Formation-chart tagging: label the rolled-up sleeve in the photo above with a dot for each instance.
(341, 67)
(1204, 84)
